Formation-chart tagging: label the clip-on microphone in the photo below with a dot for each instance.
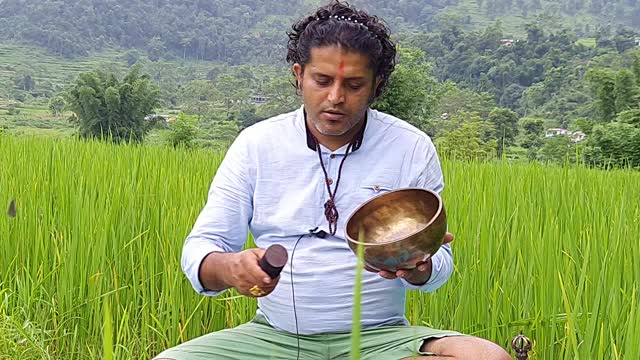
(321, 234)
(276, 256)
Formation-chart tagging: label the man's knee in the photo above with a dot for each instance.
(466, 347)
(496, 352)
(491, 350)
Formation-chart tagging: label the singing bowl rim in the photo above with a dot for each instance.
(435, 216)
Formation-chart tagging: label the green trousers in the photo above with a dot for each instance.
(258, 340)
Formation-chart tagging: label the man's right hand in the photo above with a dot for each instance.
(243, 273)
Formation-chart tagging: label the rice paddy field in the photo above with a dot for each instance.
(89, 264)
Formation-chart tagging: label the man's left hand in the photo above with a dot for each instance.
(417, 276)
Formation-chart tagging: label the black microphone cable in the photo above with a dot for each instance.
(321, 234)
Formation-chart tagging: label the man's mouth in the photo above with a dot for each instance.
(333, 115)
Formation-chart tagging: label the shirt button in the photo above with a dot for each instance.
(376, 188)
(330, 181)
(333, 156)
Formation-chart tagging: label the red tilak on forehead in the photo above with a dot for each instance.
(341, 69)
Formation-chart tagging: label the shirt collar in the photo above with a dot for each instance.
(357, 142)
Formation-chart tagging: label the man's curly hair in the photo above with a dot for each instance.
(363, 33)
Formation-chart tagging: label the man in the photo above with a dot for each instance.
(293, 180)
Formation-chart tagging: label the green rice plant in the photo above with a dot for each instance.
(547, 250)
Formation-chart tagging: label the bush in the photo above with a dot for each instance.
(13, 110)
(183, 131)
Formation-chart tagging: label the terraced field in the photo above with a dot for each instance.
(51, 71)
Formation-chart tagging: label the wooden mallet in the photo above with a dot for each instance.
(274, 259)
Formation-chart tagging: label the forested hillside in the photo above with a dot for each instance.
(237, 31)
(484, 78)
(241, 31)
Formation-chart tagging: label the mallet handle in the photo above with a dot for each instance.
(274, 259)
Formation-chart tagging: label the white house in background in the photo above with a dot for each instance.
(507, 42)
(575, 136)
(258, 99)
(160, 117)
(578, 136)
(555, 132)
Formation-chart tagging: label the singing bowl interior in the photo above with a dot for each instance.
(402, 228)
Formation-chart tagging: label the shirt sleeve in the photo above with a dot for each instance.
(223, 223)
(429, 176)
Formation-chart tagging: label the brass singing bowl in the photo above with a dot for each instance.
(401, 229)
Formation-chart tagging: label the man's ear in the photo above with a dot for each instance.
(374, 93)
(298, 71)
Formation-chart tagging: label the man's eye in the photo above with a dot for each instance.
(322, 81)
(355, 86)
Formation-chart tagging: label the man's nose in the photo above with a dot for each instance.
(336, 94)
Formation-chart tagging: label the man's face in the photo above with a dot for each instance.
(336, 86)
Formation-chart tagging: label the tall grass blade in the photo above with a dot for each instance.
(107, 342)
(357, 299)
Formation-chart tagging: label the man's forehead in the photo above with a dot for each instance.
(335, 59)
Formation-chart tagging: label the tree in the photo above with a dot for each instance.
(557, 149)
(23, 80)
(166, 76)
(106, 107)
(636, 69)
(625, 91)
(244, 114)
(199, 97)
(56, 105)
(220, 133)
(614, 144)
(155, 48)
(411, 92)
(630, 117)
(505, 122)
(584, 124)
(534, 32)
(602, 83)
(532, 135)
(281, 97)
(466, 136)
(225, 132)
(603, 34)
(454, 99)
(467, 141)
(13, 110)
(233, 91)
(624, 39)
(132, 57)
